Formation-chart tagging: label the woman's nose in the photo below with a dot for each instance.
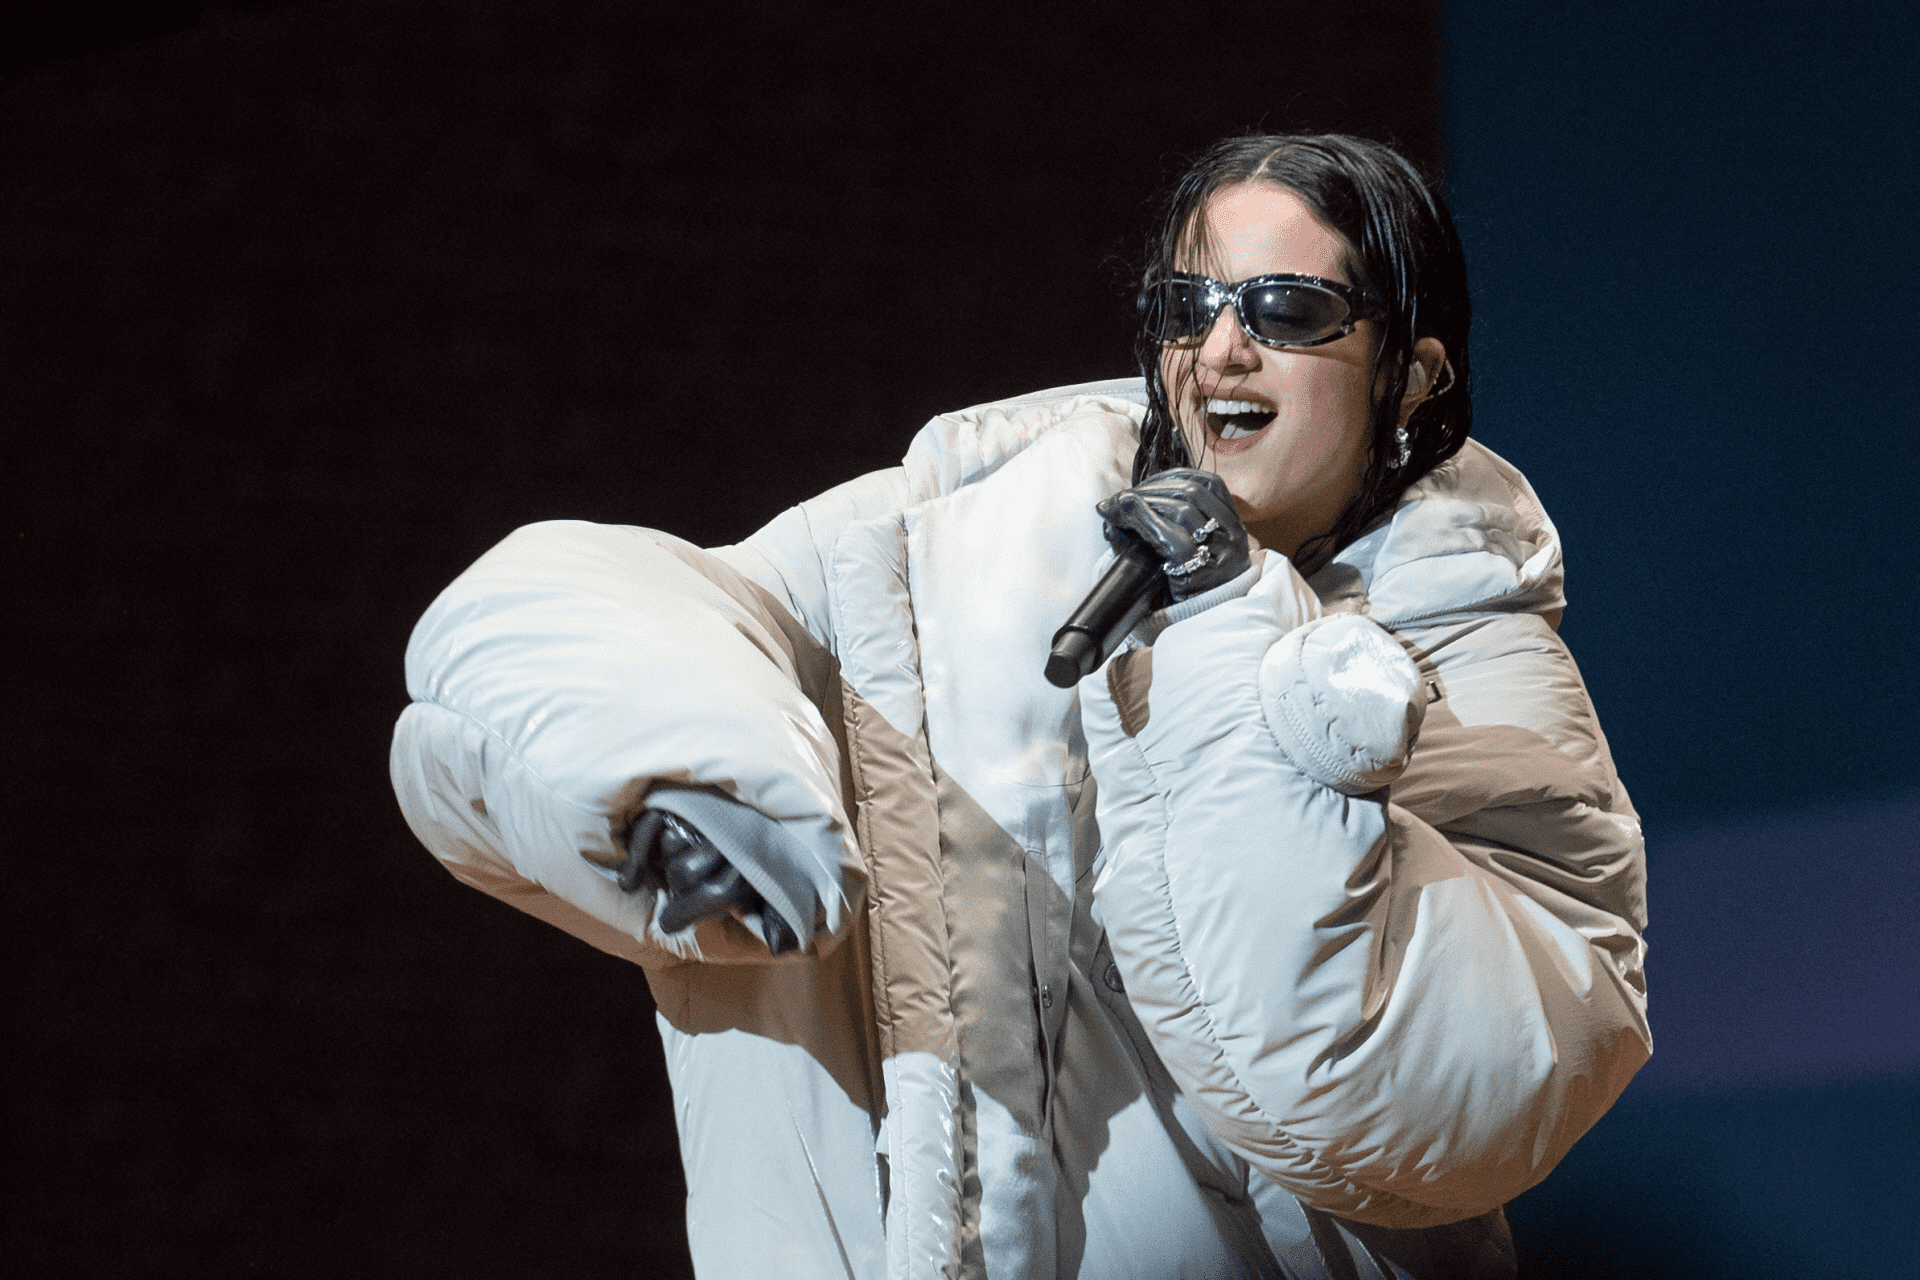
(1227, 348)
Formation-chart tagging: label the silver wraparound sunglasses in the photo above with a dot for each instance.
(1282, 310)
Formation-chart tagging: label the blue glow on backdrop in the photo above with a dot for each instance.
(1690, 229)
(1803, 925)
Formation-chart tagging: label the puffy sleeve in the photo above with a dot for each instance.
(1376, 899)
(578, 669)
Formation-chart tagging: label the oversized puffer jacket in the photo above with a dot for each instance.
(1295, 942)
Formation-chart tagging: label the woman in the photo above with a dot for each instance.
(1295, 941)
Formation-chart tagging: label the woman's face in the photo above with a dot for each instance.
(1285, 427)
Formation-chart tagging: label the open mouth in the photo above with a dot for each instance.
(1235, 419)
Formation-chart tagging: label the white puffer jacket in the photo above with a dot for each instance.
(1371, 892)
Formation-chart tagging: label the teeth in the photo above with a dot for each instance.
(1233, 419)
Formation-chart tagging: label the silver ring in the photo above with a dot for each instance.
(1201, 559)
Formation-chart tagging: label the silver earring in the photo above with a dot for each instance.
(1405, 454)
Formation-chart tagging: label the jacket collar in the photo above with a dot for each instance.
(1469, 537)
(957, 449)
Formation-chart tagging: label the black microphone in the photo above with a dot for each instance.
(1114, 607)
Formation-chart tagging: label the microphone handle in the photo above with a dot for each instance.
(1114, 607)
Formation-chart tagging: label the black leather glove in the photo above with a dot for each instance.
(1186, 518)
(667, 852)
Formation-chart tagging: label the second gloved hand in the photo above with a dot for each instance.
(1185, 517)
(697, 881)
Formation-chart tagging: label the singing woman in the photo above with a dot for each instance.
(1295, 940)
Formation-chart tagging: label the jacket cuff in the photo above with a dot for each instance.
(1159, 620)
(1344, 702)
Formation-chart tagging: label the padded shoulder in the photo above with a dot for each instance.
(789, 554)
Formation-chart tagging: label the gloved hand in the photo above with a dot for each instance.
(1186, 518)
(667, 852)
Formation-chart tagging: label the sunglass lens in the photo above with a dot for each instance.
(1294, 313)
(1174, 311)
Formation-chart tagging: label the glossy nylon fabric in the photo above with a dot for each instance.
(1017, 839)
(1448, 1018)
(1075, 1153)
(892, 775)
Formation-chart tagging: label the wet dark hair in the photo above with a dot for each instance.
(1404, 251)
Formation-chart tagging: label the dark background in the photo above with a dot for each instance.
(304, 305)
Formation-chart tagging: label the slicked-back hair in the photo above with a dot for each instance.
(1401, 248)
